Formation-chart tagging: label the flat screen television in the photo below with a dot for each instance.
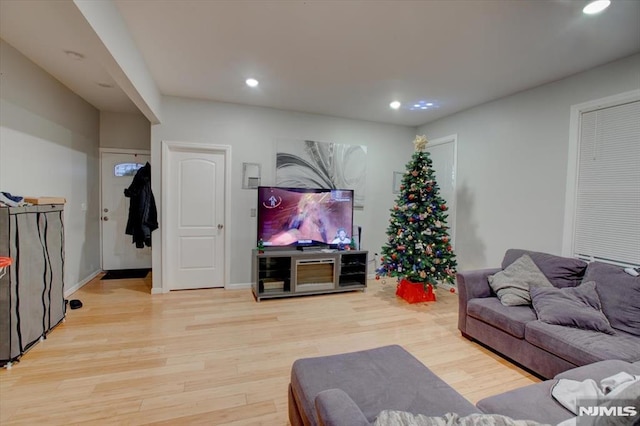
(304, 216)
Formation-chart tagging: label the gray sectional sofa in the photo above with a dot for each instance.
(352, 389)
(545, 348)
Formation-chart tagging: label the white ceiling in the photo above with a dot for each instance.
(338, 58)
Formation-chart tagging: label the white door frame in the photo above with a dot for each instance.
(167, 147)
(112, 151)
(451, 204)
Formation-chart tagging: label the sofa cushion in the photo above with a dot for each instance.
(539, 406)
(382, 378)
(560, 271)
(510, 319)
(599, 370)
(620, 295)
(581, 347)
(513, 282)
(571, 306)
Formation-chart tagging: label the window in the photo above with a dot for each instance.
(606, 190)
(126, 169)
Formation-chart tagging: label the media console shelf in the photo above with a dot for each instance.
(284, 273)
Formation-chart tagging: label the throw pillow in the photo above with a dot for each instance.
(577, 307)
(560, 271)
(512, 283)
(619, 294)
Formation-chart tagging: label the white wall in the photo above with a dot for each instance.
(512, 163)
(49, 146)
(252, 133)
(121, 130)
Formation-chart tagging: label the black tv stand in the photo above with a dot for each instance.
(277, 273)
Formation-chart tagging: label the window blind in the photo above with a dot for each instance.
(607, 223)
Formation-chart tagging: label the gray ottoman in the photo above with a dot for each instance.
(385, 378)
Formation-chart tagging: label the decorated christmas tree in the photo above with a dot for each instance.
(419, 247)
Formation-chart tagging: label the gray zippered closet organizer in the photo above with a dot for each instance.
(32, 290)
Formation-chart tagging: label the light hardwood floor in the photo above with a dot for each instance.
(217, 357)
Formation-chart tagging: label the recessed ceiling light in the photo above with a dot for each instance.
(421, 105)
(74, 55)
(395, 104)
(596, 6)
(252, 82)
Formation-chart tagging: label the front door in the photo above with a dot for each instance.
(118, 250)
(443, 154)
(195, 219)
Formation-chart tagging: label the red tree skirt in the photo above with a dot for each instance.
(415, 292)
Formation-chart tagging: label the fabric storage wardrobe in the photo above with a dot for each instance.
(32, 290)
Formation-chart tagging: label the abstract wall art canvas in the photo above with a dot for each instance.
(315, 164)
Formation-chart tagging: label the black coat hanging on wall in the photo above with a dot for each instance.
(143, 216)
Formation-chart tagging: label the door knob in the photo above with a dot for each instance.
(105, 218)
(220, 226)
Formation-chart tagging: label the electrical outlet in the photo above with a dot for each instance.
(253, 213)
(83, 207)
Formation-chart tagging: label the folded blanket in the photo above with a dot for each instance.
(568, 392)
(612, 391)
(402, 418)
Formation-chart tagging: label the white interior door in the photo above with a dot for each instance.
(118, 250)
(194, 206)
(443, 154)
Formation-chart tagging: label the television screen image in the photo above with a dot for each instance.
(304, 216)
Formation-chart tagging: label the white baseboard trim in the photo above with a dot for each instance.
(78, 286)
(156, 290)
(237, 286)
